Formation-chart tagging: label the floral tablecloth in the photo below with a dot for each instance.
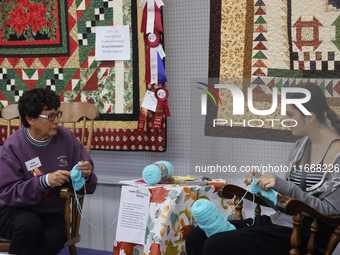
(170, 218)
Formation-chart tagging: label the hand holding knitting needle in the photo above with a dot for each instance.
(86, 168)
(58, 178)
(266, 181)
(248, 178)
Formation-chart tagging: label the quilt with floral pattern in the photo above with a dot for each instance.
(51, 43)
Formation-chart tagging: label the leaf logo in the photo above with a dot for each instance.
(208, 92)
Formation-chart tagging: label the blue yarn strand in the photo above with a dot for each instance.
(83, 215)
(78, 181)
(238, 202)
(241, 201)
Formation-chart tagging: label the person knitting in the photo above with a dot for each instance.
(35, 163)
(318, 149)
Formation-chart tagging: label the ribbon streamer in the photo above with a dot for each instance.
(160, 65)
(161, 71)
(154, 53)
(162, 107)
(142, 119)
(153, 66)
(150, 23)
(151, 14)
(158, 2)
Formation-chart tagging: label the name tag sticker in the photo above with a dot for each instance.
(31, 164)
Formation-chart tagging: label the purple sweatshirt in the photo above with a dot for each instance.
(19, 188)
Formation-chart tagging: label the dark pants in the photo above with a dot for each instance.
(262, 238)
(32, 234)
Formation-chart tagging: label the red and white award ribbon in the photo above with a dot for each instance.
(162, 107)
(154, 54)
(151, 15)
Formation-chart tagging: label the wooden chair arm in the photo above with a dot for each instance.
(66, 193)
(230, 190)
(292, 206)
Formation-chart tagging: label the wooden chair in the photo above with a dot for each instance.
(292, 207)
(72, 113)
(9, 113)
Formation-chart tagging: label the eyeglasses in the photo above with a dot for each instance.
(52, 116)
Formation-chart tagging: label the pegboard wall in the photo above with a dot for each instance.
(186, 44)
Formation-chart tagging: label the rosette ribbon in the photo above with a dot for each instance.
(151, 15)
(162, 107)
(154, 54)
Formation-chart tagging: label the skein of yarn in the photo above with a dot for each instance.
(209, 218)
(158, 172)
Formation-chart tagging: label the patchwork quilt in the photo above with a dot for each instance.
(276, 43)
(51, 43)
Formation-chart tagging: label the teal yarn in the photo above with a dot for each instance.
(209, 218)
(152, 174)
(157, 172)
(169, 167)
(77, 178)
(78, 182)
(271, 194)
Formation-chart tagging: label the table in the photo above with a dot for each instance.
(170, 218)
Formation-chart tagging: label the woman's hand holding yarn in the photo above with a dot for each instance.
(86, 168)
(58, 178)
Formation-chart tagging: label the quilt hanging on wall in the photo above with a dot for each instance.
(276, 43)
(51, 43)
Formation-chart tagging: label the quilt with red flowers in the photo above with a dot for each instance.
(51, 43)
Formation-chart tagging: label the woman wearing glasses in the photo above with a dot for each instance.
(35, 162)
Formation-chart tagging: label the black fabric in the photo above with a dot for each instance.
(32, 234)
(262, 238)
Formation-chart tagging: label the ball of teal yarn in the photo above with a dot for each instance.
(152, 174)
(168, 166)
(77, 178)
(209, 218)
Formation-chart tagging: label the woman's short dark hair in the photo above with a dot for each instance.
(34, 101)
